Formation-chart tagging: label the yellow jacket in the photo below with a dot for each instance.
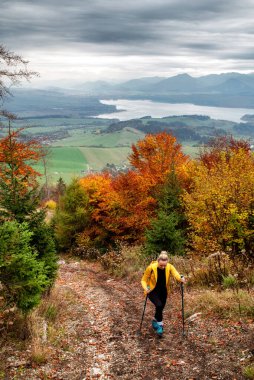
(150, 275)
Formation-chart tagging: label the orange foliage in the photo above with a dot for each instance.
(156, 156)
(16, 158)
(123, 205)
(136, 204)
(104, 201)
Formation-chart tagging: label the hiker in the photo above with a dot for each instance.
(156, 282)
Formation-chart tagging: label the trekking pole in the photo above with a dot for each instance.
(182, 293)
(143, 314)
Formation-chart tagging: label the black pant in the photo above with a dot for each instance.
(159, 300)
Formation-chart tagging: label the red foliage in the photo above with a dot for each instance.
(211, 154)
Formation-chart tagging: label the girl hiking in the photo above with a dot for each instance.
(156, 282)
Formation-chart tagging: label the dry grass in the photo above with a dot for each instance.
(39, 352)
(215, 271)
(224, 304)
(127, 262)
(44, 323)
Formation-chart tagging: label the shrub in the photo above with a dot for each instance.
(211, 270)
(72, 215)
(51, 204)
(86, 247)
(43, 242)
(126, 261)
(22, 275)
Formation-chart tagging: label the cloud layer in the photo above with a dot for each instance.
(108, 38)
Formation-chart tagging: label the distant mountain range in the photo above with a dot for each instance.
(233, 83)
(221, 90)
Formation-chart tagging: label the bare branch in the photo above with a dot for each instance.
(10, 73)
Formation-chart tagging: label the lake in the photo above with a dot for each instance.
(131, 109)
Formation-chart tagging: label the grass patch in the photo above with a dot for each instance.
(67, 159)
(97, 158)
(45, 324)
(229, 282)
(65, 162)
(225, 304)
(248, 372)
(39, 353)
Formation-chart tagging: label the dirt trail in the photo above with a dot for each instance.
(100, 339)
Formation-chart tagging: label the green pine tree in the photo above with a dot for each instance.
(168, 229)
(23, 277)
(43, 242)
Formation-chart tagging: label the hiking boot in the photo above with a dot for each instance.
(159, 330)
(155, 324)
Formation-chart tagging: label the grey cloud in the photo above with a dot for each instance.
(245, 56)
(137, 27)
(104, 22)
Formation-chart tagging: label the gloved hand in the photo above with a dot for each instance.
(183, 280)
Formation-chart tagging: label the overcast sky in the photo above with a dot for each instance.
(80, 40)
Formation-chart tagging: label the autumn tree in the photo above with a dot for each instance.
(220, 204)
(28, 261)
(156, 156)
(104, 203)
(18, 178)
(153, 159)
(136, 205)
(123, 205)
(210, 154)
(19, 195)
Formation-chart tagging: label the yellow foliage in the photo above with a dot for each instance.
(220, 201)
(51, 204)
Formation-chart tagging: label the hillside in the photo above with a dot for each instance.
(54, 103)
(82, 144)
(96, 336)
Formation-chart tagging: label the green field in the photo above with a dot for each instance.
(96, 138)
(97, 158)
(189, 149)
(70, 162)
(65, 162)
(87, 147)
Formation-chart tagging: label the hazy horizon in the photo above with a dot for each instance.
(69, 84)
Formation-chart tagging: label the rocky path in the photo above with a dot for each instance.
(100, 339)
